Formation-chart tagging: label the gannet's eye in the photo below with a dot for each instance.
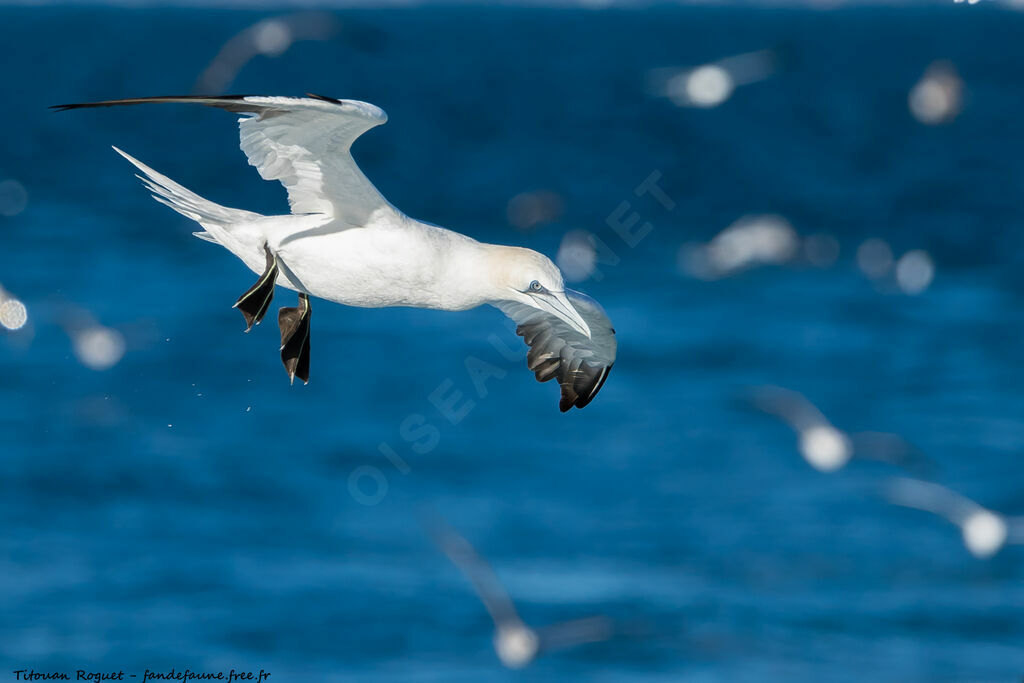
(536, 286)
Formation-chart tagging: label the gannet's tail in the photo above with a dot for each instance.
(214, 217)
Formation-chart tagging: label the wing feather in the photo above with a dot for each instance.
(303, 142)
(557, 351)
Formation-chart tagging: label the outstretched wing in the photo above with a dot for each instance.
(790, 406)
(476, 569)
(557, 351)
(304, 142)
(576, 632)
(894, 450)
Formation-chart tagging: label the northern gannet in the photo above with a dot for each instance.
(516, 644)
(346, 243)
(984, 531)
(826, 447)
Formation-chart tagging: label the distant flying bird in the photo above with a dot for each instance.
(984, 532)
(274, 36)
(271, 37)
(515, 643)
(826, 447)
(346, 243)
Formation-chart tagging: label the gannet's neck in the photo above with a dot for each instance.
(476, 273)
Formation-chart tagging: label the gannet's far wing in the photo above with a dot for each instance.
(580, 365)
(303, 142)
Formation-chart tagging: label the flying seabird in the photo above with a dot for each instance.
(346, 243)
(984, 531)
(515, 643)
(826, 447)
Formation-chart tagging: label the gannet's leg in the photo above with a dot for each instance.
(255, 303)
(294, 324)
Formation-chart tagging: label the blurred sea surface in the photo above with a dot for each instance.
(187, 508)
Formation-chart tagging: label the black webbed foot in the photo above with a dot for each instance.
(294, 323)
(255, 303)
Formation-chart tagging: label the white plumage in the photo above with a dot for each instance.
(344, 242)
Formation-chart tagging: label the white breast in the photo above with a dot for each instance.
(384, 265)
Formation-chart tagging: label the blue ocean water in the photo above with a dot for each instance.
(188, 508)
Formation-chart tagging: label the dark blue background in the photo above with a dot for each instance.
(188, 508)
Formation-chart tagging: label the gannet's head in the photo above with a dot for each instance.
(530, 278)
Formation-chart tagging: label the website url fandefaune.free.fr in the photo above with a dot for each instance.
(148, 675)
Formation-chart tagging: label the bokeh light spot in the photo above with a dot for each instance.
(937, 97)
(874, 258)
(915, 271)
(98, 347)
(576, 256)
(273, 38)
(13, 198)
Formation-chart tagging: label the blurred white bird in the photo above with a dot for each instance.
(346, 243)
(271, 37)
(824, 446)
(709, 85)
(984, 532)
(750, 241)
(515, 643)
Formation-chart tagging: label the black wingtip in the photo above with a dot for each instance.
(581, 396)
(325, 98)
(212, 99)
(584, 401)
(95, 105)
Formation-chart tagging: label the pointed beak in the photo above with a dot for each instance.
(557, 304)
